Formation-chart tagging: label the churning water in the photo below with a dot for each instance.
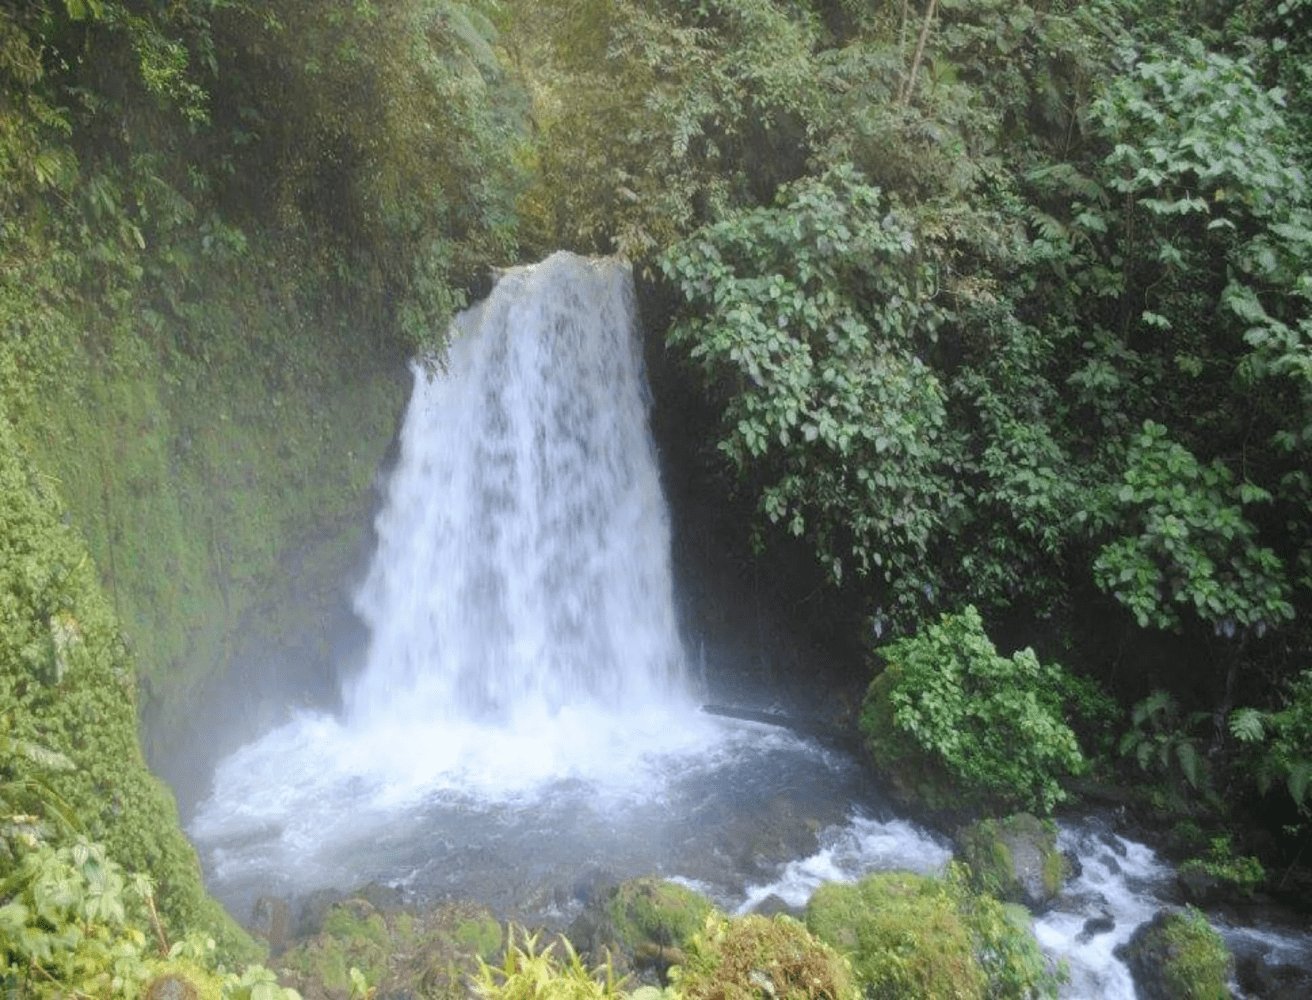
(524, 725)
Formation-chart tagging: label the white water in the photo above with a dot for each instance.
(520, 607)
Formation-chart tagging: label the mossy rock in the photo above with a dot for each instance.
(648, 910)
(642, 925)
(904, 934)
(400, 954)
(1178, 955)
(1014, 859)
(762, 958)
(178, 979)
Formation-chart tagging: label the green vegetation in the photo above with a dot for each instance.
(755, 957)
(430, 955)
(992, 727)
(913, 936)
(1221, 864)
(999, 303)
(530, 974)
(1179, 954)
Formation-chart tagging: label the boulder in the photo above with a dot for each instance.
(642, 923)
(1178, 955)
(1014, 859)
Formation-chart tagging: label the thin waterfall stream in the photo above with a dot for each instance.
(524, 723)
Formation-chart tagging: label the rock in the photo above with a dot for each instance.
(643, 923)
(1014, 859)
(773, 904)
(1261, 977)
(271, 919)
(1178, 956)
(386, 899)
(314, 908)
(1104, 923)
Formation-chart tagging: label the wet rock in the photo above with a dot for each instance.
(385, 899)
(773, 904)
(1014, 859)
(1258, 976)
(1178, 956)
(314, 908)
(1104, 923)
(271, 919)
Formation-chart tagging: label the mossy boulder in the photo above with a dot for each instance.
(1178, 955)
(1014, 859)
(762, 958)
(399, 953)
(904, 934)
(642, 923)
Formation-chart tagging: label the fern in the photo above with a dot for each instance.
(1247, 725)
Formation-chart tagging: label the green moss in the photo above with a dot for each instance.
(1179, 955)
(1014, 859)
(480, 935)
(180, 979)
(1198, 963)
(905, 935)
(652, 911)
(66, 683)
(758, 958)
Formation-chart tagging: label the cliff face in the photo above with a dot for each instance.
(221, 474)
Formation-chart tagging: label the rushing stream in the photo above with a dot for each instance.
(524, 726)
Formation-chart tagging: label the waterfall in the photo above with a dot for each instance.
(524, 647)
(523, 556)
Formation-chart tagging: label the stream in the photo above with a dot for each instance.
(524, 727)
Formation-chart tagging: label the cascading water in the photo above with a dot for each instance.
(523, 558)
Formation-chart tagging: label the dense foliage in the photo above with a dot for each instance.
(993, 724)
(997, 303)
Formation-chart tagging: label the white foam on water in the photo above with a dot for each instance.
(848, 853)
(1120, 879)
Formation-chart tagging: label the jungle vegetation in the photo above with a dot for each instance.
(1003, 311)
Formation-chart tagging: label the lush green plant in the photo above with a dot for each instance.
(530, 974)
(994, 723)
(807, 320)
(1159, 739)
(1194, 548)
(72, 922)
(1222, 864)
(1282, 741)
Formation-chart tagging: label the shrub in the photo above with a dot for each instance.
(992, 725)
